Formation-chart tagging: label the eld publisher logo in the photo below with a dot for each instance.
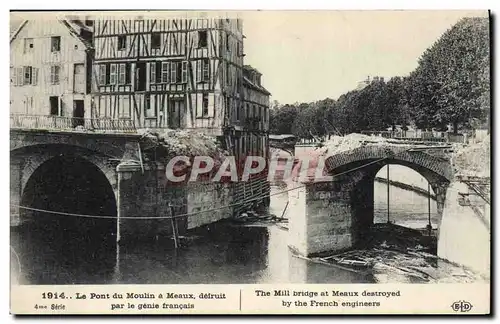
(461, 306)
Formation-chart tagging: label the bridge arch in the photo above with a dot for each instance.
(338, 213)
(433, 168)
(63, 178)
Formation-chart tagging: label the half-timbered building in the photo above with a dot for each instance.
(169, 73)
(181, 73)
(50, 68)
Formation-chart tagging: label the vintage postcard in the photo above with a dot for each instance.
(252, 162)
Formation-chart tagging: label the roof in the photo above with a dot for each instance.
(17, 30)
(251, 68)
(250, 84)
(73, 27)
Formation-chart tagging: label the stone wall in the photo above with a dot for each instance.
(323, 217)
(141, 195)
(329, 217)
(150, 195)
(210, 197)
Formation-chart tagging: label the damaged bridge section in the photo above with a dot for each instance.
(336, 215)
(119, 179)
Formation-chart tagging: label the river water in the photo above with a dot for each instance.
(219, 255)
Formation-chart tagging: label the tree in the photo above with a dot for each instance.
(451, 82)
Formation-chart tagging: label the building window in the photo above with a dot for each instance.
(184, 75)
(149, 111)
(127, 73)
(165, 68)
(89, 23)
(205, 105)
(228, 47)
(140, 76)
(112, 74)
(102, 74)
(28, 45)
(122, 73)
(122, 42)
(179, 72)
(228, 73)
(55, 43)
(156, 40)
(202, 39)
(156, 72)
(54, 74)
(206, 70)
(203, 70)
(54, 105)
(27, 74)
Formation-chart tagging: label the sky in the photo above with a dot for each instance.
(309, 56)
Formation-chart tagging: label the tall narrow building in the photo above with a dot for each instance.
(50, 71)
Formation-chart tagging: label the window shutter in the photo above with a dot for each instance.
(34, 75)
(184, 71)
(165, 72)
(102, 74)
(173, 72)
(211, 105)
(20, 77)
(112, 74)
(195, 39)
(152, 70)
(199, 67)
(199, 105)
(121, 74)
(13, 76)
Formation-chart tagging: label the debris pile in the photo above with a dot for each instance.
(399, 254)
(181, 142)
(472, 160)
(252, 216)
(337, 144)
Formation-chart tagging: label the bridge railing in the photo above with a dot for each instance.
(19, 121)
(422, 136)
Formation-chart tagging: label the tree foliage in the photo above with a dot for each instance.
(450, 86)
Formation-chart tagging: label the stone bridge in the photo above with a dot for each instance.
(335, 215)
(100, 174)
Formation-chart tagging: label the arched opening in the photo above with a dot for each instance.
(68, 184)
(405, 212)
(407, 199)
